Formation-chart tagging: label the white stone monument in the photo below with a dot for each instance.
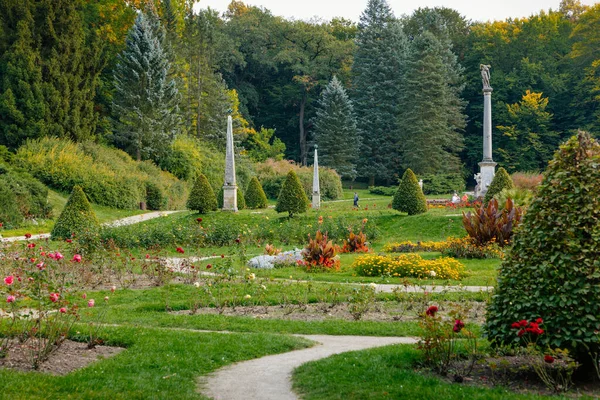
(316, 192)
(487, 166)
(230, 186)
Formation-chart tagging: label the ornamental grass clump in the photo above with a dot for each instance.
(77, 217)
(409, 197)
(553, 268)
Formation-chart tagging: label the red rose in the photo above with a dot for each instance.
(515, 325)
(549, 359)
(199, 219)
(431, 311)
(208, 266)
(523, 322)
(458, 326)
(180, 250)
(521, 333)
(539, 321)
(28, 236)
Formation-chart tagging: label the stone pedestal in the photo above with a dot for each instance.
(230, 186)
(488, 170)
(316, 192)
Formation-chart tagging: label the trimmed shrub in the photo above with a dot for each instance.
(154, 197)
(443, 183)
(10, 215)
(409, 197)
(241, 202)
(292, 198)
(202, 198)
(552, 269)
(500, 182)
(76, 218)
(383, 190)
(255, 195)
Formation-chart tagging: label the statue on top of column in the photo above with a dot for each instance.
(485, 75)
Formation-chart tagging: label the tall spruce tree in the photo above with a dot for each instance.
(145, 103)
(335, 130)
(22, 108)
(378, 70)
(430, 110)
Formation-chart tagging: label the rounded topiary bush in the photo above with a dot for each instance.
(77, 217)
(409, 197)
(501, 181)
(241, 202)
(10, 215)
(292, 198)
(202, 198)
(553, 269)
(255, 195)
(154, 197)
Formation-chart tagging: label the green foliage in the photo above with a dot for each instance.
(292, 198)
(491, 224)
(25, 198)
(501, 181)
(108, 176)
(383, 190)
(10, 215)
(77, 218)
(202, 198)
(409, 197)
(442, 183)
(255, 195)
(154, 197)
(521, 197)
(262, 145)
(551, 271)
(241, 201)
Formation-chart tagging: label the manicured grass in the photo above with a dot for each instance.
(383, 373)
(158, 364)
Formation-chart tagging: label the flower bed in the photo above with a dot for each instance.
(408, 265)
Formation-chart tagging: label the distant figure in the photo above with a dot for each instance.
(455, 198)
(355, 200)
(465, 198)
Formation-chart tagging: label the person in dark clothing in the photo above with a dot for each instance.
(355, 200)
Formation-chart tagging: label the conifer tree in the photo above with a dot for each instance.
(202, 198)
(429, 106)
(77, 217)
(292, 198)
(145, 103)
(501, 181)
(378, 71)
(255, 195)
(22, 108)
(409, 197)
(335, 130)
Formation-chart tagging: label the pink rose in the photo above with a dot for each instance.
(10, 299)
(77, 258)
(84, 296)
(9, 280)
(40, 266)
(51, 255)
(91, 303)
(54, 297)
(58, 256)
(62, 310)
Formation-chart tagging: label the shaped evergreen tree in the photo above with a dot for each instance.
(429, 106)
(551, 271)
(145, 102)
(292, 198)
(378, 70)
(202, 198)
(255, 195)
(501, 181)
(77, 217)
(335, 130)
(409, 197)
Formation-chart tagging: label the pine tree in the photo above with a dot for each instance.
(202, 198)
(22, 109)
(292, 198)
(501, 181)
(409, 197)
(255, 195)
(429, 106)
(335, 130)
(378, 71)
(77, 217)
(145, 102)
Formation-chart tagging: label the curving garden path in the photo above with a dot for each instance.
(119, 222)
(269, 378)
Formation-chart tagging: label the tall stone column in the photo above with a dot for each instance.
(230, 186)
(487, 166)
(316, 192)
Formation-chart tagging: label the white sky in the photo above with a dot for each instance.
(477, 10)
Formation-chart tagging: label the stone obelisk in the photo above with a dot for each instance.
(230, 186)
(487, 166)
(316, 192)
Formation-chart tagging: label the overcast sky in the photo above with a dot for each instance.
(477, 10)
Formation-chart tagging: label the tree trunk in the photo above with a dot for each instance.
(303, 149)
(199, 94)
(372, 180)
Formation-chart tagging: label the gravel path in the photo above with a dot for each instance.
(120, 222)
(269, 378)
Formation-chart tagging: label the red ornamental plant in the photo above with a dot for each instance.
(491, 223)
(321, 253)
(528, 331)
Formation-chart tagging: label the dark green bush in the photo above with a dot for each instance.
(409, 198)
(77, 217)
(501, 181)
(272, 186)
(255, 195)
(442, 183)
(30, 197)
(383, 190)
(553, 269)
(10, 215)
(292, 198)
(202, 198)
(154, 197)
